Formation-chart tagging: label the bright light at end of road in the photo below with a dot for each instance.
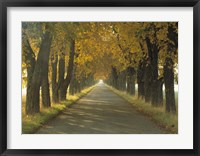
(100, 81)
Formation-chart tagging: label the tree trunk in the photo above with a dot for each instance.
(160, 91)
(169, 86)
(168, 69)
(122, 81)
(71, 87)
(114, 78)
(153, 58)
(66, 82)
(154, 70)
(75, 86)
(33, 101)
(147, 83)
(131, 80)
(78, 87)
(54, 62)
(62, 93)
(30, 63)
(61, 68)
(72, 83)
(46, 101)
(140, 79)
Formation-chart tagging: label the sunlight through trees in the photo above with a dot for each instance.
(61, 57)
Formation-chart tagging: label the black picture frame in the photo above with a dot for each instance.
(4, 4)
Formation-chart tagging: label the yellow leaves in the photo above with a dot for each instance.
(100, 45)
(162, 33)
(34, 45)
(83, 58)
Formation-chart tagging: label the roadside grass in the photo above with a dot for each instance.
(168, 121)
(31, 123)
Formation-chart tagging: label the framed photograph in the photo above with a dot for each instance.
(99, 77)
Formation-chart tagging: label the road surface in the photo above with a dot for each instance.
(100, 112)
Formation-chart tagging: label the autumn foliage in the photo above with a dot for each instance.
(69, 56)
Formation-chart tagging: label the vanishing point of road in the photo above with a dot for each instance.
(101, 112)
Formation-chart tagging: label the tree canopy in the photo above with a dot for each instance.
(62, 55)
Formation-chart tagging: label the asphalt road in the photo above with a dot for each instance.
(100, 112)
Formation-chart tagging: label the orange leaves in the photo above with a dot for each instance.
(100, 45)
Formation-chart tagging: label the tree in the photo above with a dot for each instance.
(35, 72)
(64, 85)
(121, 53)
(172, 47)
(46, 101)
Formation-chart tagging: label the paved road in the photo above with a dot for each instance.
(101, 112)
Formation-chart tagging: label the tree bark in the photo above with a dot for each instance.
(61, 77)
(34, 99)
(122, 81)
(153, 58)
(168, 70)
(169, 86)
(66, 82)
(46, 101)
(30, 63)
(140, 79)
(154, 69)
(114, 78)
(147, 83)
(61, 68)
(54, 63)
(160, 91)
(72, 86)
(131, 80)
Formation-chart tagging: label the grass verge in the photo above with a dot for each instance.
(31, 123)
(165, 120)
